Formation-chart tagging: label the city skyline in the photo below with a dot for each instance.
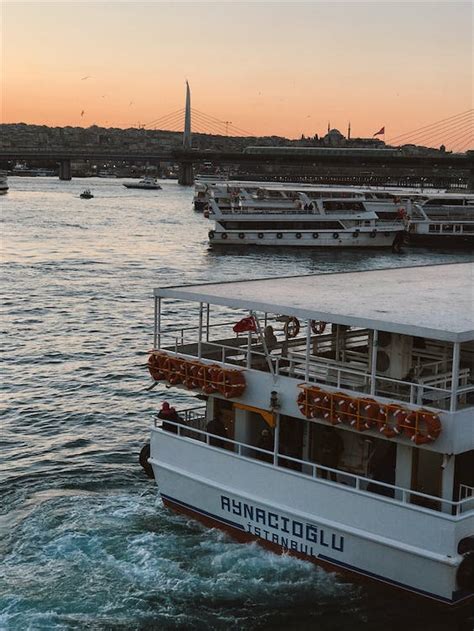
(270, 68)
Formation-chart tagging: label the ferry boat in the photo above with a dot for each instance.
(312, 217)
(446, 219)
(378, 199)
(147, 183)
(86, 194)
(337, 422)
(3, 183)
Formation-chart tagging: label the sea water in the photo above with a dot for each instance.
(84, 539)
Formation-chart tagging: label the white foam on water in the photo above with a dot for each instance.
(116, 554)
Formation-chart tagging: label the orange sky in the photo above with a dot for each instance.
(269, 67)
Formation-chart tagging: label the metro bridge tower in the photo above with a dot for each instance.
(186, 176)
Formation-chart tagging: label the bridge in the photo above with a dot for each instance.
(402, 165)
(356, 165)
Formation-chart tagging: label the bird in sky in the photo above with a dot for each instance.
(86, 77)
(82, 113)
(131, 103)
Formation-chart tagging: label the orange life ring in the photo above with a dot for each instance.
(367, 415)
(343, 408)
(231, 383)
(323, 405)
(305, 401)
(165, 366)
(318, 326)
(292, 327)
(155, 363)
(189, 371)
(176, 369)
(207, 378)
(423, 427)
(387, 429)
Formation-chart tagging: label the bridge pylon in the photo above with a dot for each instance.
(186, 174)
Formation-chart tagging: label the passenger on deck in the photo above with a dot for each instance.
(265, 442)
(168, 413)
(217, 428)
(270, 337)
(329, 450)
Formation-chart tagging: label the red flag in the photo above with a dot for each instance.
(380, 131)
(246, 324)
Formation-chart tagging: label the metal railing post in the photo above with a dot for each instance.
(200, 332)
(249, 350)
(308, 349)
(373, 361)
(157, 335)
(276, 441)
(455, 379)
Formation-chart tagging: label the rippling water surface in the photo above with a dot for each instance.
(84, 539)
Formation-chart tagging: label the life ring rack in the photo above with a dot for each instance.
(421, 426)
(196, 375)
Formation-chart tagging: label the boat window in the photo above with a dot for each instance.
(282, 225)
(338, 205)
(456, 201)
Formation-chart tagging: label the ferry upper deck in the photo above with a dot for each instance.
(434, 301)
(405, 336)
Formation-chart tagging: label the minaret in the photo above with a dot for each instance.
(329, 125)
(349, 131)
(187, 120)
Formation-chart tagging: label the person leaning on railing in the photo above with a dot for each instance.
(168, 413)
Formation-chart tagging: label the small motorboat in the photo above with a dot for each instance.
(148, 183)
(86, 194)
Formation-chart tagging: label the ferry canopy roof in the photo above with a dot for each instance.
(435, 301)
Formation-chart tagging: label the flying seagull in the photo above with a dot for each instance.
(82, 113)
(86, 77)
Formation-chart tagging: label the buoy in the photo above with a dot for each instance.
(143, 460)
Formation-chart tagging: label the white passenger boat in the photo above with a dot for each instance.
(345, 423)
(446, 219)
(378, 199)
(147, 183)
(302, 217)
(3, 182)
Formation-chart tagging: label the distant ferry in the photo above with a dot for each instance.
(147, 183)
(337, 424)
(446, 220)
(3, 182)
(303, 217)
(378, 198)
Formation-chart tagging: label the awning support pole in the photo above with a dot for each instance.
(373, 361)
(455, 379)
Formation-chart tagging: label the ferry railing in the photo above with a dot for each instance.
(350, 481)
(466, 491)
(332, 373)
(327, 371)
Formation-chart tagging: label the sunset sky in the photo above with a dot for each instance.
(281, 68)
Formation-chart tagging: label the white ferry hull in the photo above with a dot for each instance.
(290, 513)
(352, 239)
